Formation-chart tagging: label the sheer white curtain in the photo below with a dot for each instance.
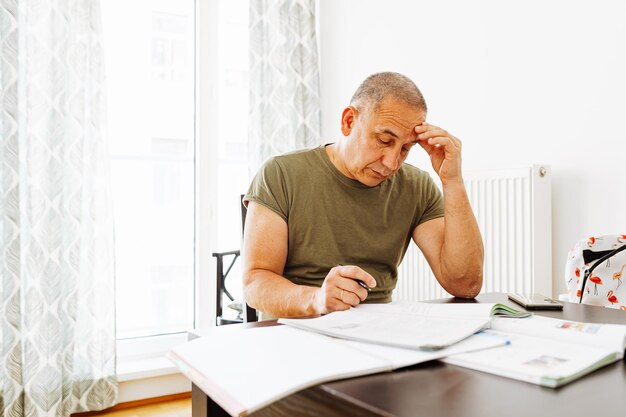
(57, 321)
(284, 78)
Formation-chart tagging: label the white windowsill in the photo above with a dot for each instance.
(145, 368)
(151, 377)
(143, 371)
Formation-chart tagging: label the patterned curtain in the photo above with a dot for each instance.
(57, 321)
(284, 79)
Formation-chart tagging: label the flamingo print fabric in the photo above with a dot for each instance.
(602, 259)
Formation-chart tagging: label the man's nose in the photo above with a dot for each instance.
(391, 159)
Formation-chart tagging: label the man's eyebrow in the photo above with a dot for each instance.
(388, 132)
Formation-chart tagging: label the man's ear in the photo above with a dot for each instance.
(348, 118)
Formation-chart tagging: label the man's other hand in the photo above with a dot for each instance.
(444, 151)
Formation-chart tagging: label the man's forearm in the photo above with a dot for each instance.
(277, 296)
(462, 252)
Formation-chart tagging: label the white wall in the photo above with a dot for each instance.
(522, 82)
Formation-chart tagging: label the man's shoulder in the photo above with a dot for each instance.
(298, 159)
(299, 154)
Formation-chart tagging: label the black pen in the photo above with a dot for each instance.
(361, 283)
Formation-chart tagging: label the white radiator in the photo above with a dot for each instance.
(513, 210)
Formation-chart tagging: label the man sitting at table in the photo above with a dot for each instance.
(321, 222)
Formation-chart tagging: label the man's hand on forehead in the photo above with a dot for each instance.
(444, 150)
(422, 136)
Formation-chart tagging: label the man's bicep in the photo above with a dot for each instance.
(428, 236)
(265, 240)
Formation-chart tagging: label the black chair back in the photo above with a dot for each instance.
(248, 313)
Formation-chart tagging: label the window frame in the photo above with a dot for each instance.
(206, 177)
(206, 167)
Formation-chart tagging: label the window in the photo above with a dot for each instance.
(168, 171)
(149, 52)
(232, 131)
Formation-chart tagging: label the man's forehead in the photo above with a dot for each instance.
(394, 108)
(397, 121)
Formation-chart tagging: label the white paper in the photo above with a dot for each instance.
(244, 369)
(407, 325)
(401, 357)
(610, 336)
(547, 351)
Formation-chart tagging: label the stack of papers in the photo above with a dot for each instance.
(547, 352)
(244, 369)
(423, 326)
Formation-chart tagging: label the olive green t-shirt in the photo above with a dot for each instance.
(334, 220)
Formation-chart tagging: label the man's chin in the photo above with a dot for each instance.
(372, 180)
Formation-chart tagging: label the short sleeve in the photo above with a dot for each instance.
(432, 202)
(269, 189)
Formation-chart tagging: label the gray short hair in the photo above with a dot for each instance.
(381, 85)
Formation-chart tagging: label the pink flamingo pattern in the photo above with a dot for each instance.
(618, 276)
(605, 278)
(597, 281)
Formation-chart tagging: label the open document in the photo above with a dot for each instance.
(547, 351)
(244, 369)
(411, 325)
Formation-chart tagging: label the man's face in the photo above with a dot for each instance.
(379, 140)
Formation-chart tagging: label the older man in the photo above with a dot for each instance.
(325, 223)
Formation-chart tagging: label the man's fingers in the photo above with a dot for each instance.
(353, 287)
(447, 142)
(432, 133)
(428, 148)
(342, 290)
(426, 131)
(424, 127)
(354, 272)
(348, 297)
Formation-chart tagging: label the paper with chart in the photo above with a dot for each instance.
(411, 325)
(244, 369)
(548, 351)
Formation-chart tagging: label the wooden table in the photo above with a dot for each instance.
(437, 389)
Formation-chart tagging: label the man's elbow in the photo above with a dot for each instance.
(250, 289)
(471, 282)
(471, 291)
(467, 286)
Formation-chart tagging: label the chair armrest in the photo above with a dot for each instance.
(249, 313)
